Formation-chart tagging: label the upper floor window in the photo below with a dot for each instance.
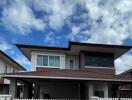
(42, 60)
(45, 60)
(99, 60)
(54, 61)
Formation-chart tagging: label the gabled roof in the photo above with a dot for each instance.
(10, 60)
(127, 72)
(75, 48)
(67, 74)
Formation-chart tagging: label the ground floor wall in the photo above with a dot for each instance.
(66, 89)
(4, 89)
(73, 90)
(100, 89)
(59, 90)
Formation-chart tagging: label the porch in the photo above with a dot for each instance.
(64, 89)
(67, 84)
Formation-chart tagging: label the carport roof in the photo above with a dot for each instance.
(87, 74)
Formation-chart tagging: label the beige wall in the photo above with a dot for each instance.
(64, 59)
(76, 61)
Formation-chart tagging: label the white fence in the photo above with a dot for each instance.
(114, 99)
(9, 97)
(97, 98)
(5, 97)
(47, 99)
(82, 99)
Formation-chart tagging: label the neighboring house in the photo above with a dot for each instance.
(7, 65)
(126, 89)
(81, 71)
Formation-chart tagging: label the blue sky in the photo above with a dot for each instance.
(55, 22)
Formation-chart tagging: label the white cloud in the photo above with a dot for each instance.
(75, 30)
(106, 22)
(109, 22)
(106, 36)
(49, 38)
(4, 45)
(114, 16)
(124, 5)
(19, 18)
(123, 63)
(58, 11)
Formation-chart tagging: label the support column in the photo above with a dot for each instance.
(25, 94)
(87, 90)
(91, 89)
(79, 90)
(106, 90)
(28, 87)
(82, 90)
(13, 88)
(30, 90)
(115, 92)
(36, 90)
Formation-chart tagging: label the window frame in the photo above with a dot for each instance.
(42, 55)
(48, 61)
(98, 54)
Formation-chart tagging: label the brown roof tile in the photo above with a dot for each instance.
(89, 74)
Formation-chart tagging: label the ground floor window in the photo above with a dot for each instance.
(99, 93)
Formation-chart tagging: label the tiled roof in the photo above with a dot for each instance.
(87, 74)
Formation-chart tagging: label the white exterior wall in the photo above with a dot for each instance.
(5, 65)
(101, 87)
(34, 59)
(90, 89)
(2, 66)
(64, 59)
(98, 86)
(76, 61)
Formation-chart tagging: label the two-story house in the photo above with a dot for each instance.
(81, 70)
(7, 65)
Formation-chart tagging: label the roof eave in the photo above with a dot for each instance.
(66, 78)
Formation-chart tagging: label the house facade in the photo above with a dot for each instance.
(7, 65)
(80, 71)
